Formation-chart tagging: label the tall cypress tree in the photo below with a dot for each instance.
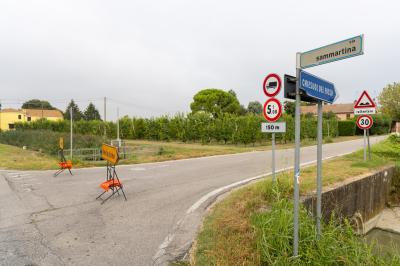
(76, 113)
(91, 113)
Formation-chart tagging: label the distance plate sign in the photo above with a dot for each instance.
(277, 127)
(272, 109)
(272, 85)
(365, 121)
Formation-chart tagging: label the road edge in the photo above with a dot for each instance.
(178, 243)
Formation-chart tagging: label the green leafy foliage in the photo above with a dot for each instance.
(255, 107)
(216, 102)
(338, 244)
(289, 107)
(347, 127)
(389, 100)
(91, 113)
(47, 141)
(37, 104)
(199, 127)
(76, 113)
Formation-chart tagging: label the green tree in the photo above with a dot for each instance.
(76, 113)
(216, 102)
(255, 107)
(91, 113)
(37, 104)
(290, 107)
(389, 100)
(233, 93)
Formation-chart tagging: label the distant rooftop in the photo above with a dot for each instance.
(35, 112)
(341, 108)
(44, 113)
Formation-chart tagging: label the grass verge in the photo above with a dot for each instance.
(12, 157)
(144, 152)
(251, 226)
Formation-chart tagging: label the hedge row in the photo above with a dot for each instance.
(198, 127)
(47, 141)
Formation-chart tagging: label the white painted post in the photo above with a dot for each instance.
(70, 111)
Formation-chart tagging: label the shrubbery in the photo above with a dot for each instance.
(382, 125)
(47, 141)
(199, 127)
(347, 128)
(203, 127)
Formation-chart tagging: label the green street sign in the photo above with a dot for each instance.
(333, 52)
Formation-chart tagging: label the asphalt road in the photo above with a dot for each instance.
(46, 220)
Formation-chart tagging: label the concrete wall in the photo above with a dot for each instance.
(360, 199)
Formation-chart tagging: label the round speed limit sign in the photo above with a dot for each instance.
(365, 121)
(272, 109)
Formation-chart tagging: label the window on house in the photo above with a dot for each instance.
(29, 118)
(11, 126)
(347, 116)
(19, 116)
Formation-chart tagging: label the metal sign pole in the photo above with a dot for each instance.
(319, 168)
(369, 146)
(118, 127)
(365, 148)
(296, 162)
(70, 110)
(273, 158)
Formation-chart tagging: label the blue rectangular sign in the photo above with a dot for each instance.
(317, 88)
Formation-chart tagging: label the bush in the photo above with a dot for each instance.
(198, 127)
(382, 124)
(347, 127)
(47, 141)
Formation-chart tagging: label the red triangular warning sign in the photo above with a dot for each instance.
(365, 101)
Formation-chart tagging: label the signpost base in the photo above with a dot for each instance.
(273, 158)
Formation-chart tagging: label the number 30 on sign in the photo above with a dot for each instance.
(272, 110)
(365, 121)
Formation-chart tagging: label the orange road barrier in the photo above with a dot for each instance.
(110, 154)
(64, 164)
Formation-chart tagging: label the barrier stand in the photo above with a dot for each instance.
(110, 154)
(64, 164)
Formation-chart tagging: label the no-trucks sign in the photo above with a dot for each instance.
(272, 85)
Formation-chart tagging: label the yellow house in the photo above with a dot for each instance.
(10, 116)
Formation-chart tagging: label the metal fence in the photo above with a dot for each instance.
(94, 154)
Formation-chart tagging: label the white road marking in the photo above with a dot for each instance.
(138, 169)
(170, 237)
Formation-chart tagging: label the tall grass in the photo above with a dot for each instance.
(338, 244)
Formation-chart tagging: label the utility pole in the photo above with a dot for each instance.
(0, 115)
(119, 141)
(70, 112)
(105, 117)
